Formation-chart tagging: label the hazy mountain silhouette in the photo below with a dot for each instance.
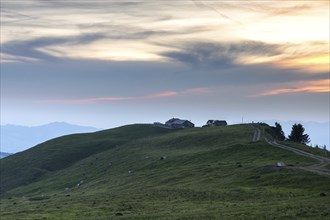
(15, 138)
(4, 154)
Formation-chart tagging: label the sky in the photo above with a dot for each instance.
(111, 63)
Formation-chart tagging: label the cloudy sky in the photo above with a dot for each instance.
(110, 63)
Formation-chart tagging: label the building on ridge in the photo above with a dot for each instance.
(211, 123)
(179, 123)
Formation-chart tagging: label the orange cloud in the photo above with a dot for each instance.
(88, 100)
(317, 86)
(166, 94)
(160, 95)
(312, 62)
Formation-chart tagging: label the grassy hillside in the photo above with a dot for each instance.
(56, 154)
(146, 172)
(308, 149)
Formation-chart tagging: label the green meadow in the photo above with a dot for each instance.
(148, 172)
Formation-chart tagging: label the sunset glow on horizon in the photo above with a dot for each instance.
(163, 56)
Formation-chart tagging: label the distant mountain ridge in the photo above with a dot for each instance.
(16, 138)
(4, 154)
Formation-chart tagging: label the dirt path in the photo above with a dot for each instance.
(257, 134)
(319, 168)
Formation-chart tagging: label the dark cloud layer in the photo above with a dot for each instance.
(221, 54)
(29, 48)
(21, 49)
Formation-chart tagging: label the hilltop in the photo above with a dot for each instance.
(149, 172)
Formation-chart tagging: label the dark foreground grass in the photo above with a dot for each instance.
(171, 204)
(209, 173)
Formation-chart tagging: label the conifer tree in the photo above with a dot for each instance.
(279, 132)
(297, 134)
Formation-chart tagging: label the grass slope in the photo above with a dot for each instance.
(56, 154)
(208, 173)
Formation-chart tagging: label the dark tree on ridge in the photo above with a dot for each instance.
(279, 132)
(297, 134)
